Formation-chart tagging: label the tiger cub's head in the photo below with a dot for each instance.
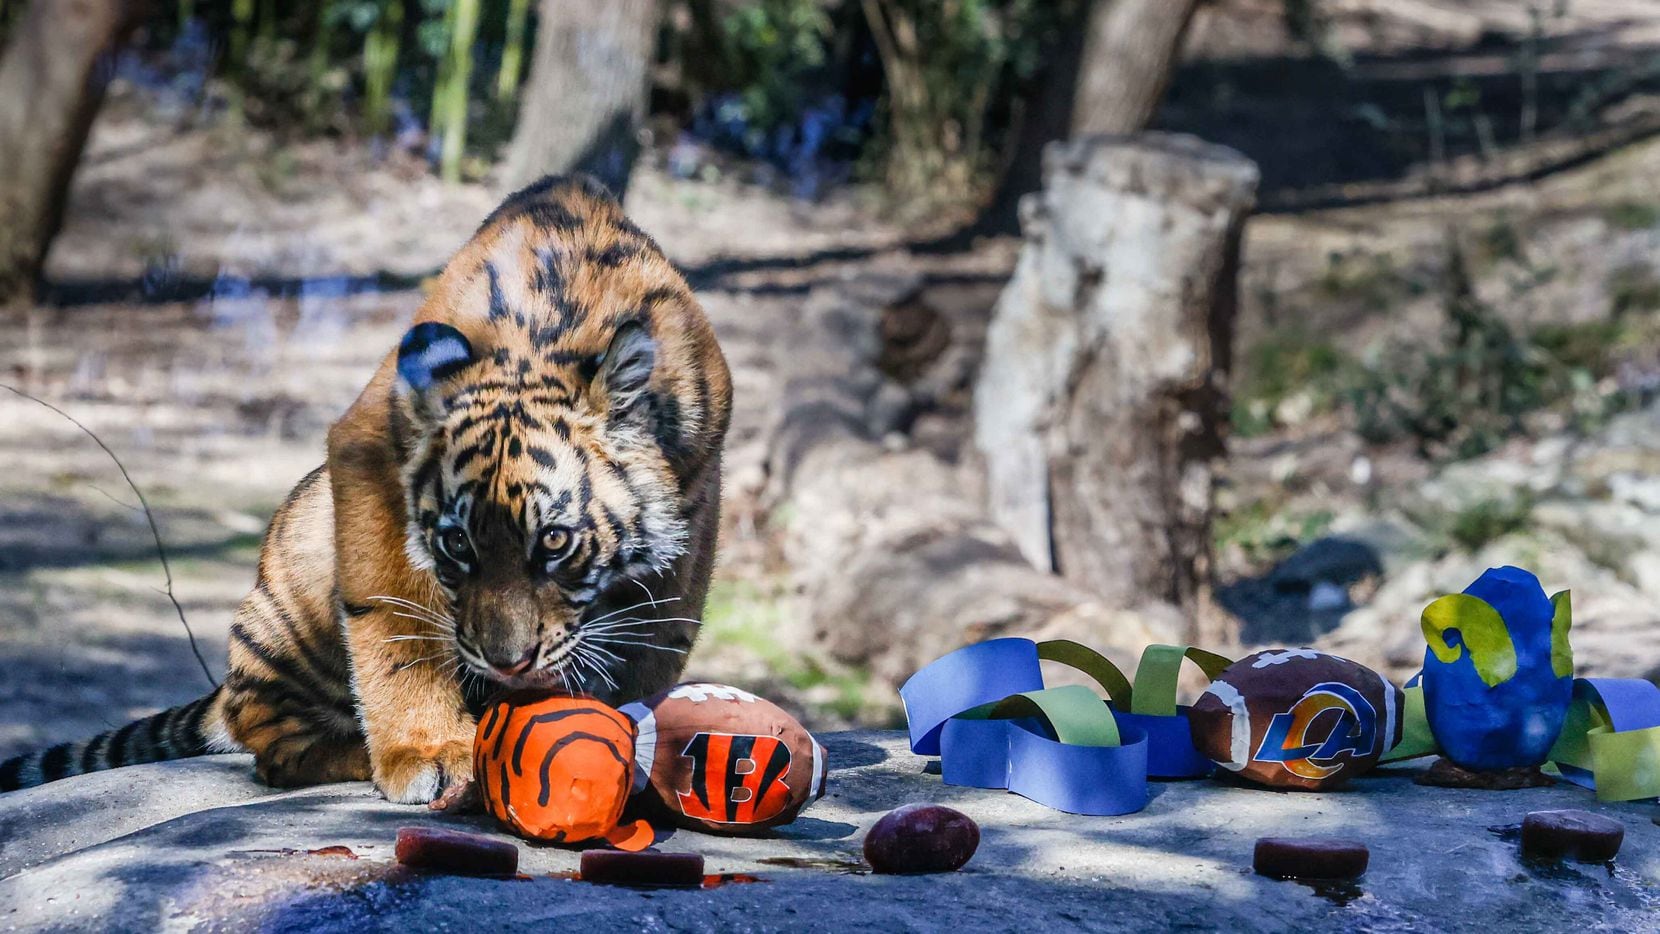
(548, 404)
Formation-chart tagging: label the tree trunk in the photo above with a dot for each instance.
(586, 96)
(1100, 405)
(52, 79)
(1130, 50)
(1107, 76)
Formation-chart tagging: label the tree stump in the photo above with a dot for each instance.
(1100, 407)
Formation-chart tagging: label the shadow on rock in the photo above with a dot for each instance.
(1306, 595)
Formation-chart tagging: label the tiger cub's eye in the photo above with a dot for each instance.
(557, 544)
(455, 544)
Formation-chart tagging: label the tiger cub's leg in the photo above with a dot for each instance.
(288, 690)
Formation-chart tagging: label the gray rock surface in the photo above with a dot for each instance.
(197, 845)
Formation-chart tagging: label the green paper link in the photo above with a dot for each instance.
(1158, 671)
(1573, 745)
(1074, 712)
(1092, 663)
(1562, 619)
(1625, 765)
(1416, 738)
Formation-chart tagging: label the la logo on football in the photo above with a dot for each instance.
(1330, 722)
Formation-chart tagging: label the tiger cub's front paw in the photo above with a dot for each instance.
(419, 774)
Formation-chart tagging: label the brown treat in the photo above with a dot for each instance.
(916, 838)
(1321, 858)
(1297, 719)
(1577, 835)
(721, 760)
(452, 851)
(1446, 773)
(648, 867)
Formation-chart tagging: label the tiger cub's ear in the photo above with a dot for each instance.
(429, 354)
(624, 370)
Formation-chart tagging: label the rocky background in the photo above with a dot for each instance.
(1440, 366)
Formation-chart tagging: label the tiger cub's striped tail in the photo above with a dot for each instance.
(193, 729)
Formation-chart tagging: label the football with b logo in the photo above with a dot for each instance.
(719, 759)
(1297, 719)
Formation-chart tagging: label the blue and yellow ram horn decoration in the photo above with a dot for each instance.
(1498, 672)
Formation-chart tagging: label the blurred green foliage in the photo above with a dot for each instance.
(1633, 215)
(1463, 396)
(1483, 382)
(1265, 532)
(772, 49)
(746, 616)
(1489, 520)
(953, 70)
(1288, 364)
(1476, 385)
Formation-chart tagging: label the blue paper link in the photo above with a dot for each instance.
(1093, 780)
(1170, 749)
(1021, 756)
(1632, 703)
(975, 753)
(1581, 777)
(977, 674)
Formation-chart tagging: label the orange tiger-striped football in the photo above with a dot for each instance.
(558, 768)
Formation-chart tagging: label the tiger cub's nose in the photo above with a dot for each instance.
(509, 669)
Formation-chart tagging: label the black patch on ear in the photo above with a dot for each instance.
(432, 352)
(669, 425)
(626, 365)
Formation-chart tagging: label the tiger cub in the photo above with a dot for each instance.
(525, 495)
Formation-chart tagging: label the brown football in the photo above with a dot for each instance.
(717, 758)
(1297, 718)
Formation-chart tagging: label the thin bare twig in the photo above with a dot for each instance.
(155, 531)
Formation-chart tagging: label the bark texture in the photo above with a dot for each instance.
(1099, 409)
(52, 78)
(586, 94)
(1130, 50)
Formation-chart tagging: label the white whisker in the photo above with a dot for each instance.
(581, 654)
(444, 624)
(417, 661)
(406, 604)
(599, 648)
(643, 645)
(628, 609)
(644, 621)
(646, 590)
(415, 639)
